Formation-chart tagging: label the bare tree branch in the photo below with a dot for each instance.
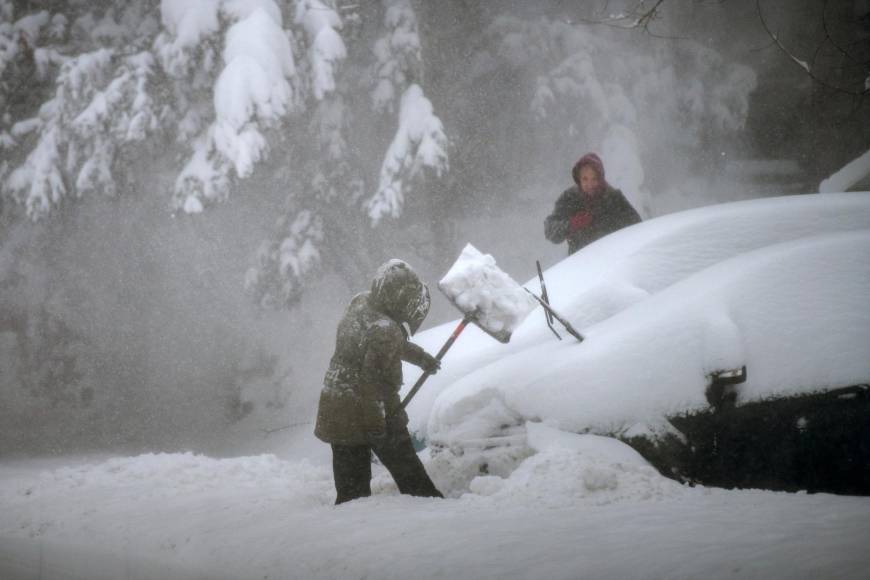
(810, 70)
(639, 17)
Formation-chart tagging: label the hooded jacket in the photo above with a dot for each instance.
(593, 215)
(360, 393)
(608, 211)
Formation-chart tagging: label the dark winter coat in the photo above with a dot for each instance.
(609, 211)
(361, 387)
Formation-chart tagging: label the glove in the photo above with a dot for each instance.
(579, 220)
(430, 364)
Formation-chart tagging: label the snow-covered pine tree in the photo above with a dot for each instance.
(213, 76)
(97, 67)
(293, 251)
(325, 216)
(217, 82)
(420, 145)
(232, 73)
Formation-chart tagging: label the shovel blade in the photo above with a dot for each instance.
(485, 294)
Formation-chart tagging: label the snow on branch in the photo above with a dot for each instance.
(330, 117)
(205, 176)
(227, 67)
(252, 89)
(251, 95)
(326, 48)
(399, 61)
(285, 262)
(292, 255)
(187, 23)
(82, 127)
(419, 144)
(38, 183)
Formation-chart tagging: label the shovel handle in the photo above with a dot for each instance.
(462, 324)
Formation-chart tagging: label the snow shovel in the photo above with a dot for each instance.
(486, 296)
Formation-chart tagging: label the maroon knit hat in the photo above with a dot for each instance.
(589, 160)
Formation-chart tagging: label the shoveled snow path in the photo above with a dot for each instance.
(267, 518)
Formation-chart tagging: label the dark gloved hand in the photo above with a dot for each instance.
(579, 220)
(430, 364)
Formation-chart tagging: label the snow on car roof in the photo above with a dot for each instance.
(767, 283)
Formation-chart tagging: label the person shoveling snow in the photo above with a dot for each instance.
(360, 412)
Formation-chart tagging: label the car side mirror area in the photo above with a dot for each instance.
(721, 391)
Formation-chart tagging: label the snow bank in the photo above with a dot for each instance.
(477, 286)
(568, 469)
(543, 438)
(666, 302)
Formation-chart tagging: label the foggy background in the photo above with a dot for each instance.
(125, 323)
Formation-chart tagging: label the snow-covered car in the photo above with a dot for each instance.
(725, 343)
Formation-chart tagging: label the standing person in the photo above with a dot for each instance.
(360, 410)
(590, 209)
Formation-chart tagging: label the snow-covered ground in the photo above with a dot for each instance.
(779, 285)
(580, 507)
